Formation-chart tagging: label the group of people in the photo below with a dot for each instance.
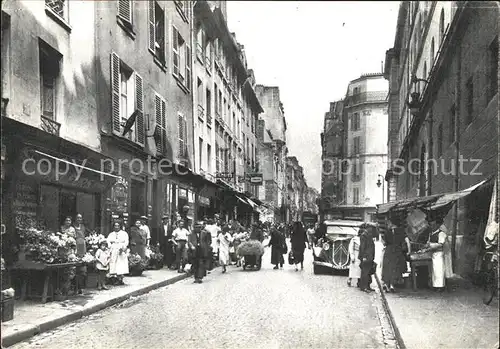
(388, 255)
(299, 240)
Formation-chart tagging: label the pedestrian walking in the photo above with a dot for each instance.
(224, 240)
(354, 266)
(379, 254)
(394, 260)
(180, 236)
(278, 248)
(366, 257)
(310, 234)
(199, 245)
(298, 239)
(102, 257)
(118, 241)
(214, 231)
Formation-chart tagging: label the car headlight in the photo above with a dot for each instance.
(326, 246)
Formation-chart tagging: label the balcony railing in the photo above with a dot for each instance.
(218, 118)
(201, 112)
(50, 126)
(209, 119)
(367, 97)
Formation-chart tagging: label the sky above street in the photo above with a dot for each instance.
(311, 50)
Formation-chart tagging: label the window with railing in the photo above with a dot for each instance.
(58, 7)
(49, 75)
(367, 97)
(209, 107)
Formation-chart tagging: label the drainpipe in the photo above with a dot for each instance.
(457, 149)
(194, 106)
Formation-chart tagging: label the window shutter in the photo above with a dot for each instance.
(115, 93)
(188, 67)
(175, 49)
(180, 124)
(164, 125)
(151, 16)
(159, 141)
(139, 106)
(125, 10)
(185, 150)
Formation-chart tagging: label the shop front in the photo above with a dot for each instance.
(431, 229)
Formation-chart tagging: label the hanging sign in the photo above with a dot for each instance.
(256, 179)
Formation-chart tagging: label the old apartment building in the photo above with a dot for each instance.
(443, 110)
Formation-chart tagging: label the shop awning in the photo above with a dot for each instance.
(447, 199)
(242, 199)
(432, 202)
(253, 204)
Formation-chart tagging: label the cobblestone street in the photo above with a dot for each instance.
(240, 309)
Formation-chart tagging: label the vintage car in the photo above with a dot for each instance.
(332, 250)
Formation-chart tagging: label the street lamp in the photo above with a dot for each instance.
(381, 183)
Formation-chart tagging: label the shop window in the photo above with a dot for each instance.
(49, 74)
(49, 207)
(127, 102)
(157, 31)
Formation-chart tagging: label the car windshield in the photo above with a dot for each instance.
(335, 231)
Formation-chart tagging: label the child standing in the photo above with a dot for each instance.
(102, 264)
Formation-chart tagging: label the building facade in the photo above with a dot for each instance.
(332, 145)
(356, 134)
(123, 114)
(275, 189)
(443, 108)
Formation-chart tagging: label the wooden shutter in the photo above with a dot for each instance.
(151, 26)
(188, 67)
(115, 93)
(180, 123)
(161, 123)
(139, 105)
(125, 10)
(175, 49)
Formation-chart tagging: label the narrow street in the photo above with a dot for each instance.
(241, 309)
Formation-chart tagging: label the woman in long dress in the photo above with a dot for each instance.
(278, 248)
(298, 240)
(81, 248)
(118, 243)
(224, 239)
(354, 267)
(394, 260)
(138, 239)
(437, 239)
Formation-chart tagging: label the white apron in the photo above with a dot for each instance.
(438, 273)
(118, 263)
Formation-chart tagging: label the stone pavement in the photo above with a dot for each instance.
(240, 309)
(456, 319)
(31, 318)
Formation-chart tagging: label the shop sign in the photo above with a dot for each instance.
(204, 201)
(224, 175)
(119, 195)
(256, 179)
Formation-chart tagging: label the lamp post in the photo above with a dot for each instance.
(381, 183)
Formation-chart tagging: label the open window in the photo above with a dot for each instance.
(157, 31)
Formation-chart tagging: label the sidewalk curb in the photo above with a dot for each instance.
(78, 314)
(397, 334)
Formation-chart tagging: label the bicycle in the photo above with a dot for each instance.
(491, 276)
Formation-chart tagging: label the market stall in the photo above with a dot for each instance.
(420, 219)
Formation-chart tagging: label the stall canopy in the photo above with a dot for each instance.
(432, 202)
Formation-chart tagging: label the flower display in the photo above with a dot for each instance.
(136, 262)
(252, 247)
(8, 293)
(48, 247)
(93, 240)
(88, 258)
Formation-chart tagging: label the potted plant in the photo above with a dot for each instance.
(155, 258)
(136, 264)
